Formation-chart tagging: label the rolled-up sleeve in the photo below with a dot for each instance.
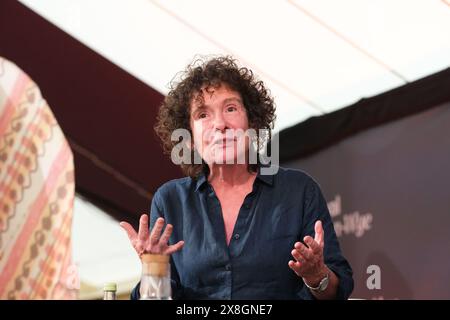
(315, 208)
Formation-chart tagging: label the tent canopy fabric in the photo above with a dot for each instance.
(317, 133)
(106, 114)
(106, 80)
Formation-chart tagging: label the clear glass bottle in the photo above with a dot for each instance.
(155, 279)
(109, 291)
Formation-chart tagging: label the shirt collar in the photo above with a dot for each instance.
(201, 180)
(266, 178)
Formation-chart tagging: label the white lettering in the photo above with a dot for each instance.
(374, 281)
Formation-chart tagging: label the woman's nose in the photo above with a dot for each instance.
(219, 123)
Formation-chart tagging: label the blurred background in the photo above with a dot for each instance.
(362, 90)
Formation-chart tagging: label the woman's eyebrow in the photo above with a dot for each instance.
(233, 99)
(198, 108)
(204, 106)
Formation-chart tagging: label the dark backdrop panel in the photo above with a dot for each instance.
(389, 191)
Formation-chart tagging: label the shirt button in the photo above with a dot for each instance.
(228, 267)
(247, 206)
(237, 236)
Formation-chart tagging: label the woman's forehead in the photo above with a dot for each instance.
(212, 93)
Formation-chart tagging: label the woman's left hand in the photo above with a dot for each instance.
(309, 263)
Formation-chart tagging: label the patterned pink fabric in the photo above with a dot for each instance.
(36, 194)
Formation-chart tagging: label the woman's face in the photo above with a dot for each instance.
(218, 121)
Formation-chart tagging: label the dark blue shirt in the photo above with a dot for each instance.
(280, 210)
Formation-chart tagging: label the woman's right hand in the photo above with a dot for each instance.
(155, 243)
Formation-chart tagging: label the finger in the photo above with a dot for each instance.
(298, 256)
(175, 247)
(132, 235)
(312, 244)
(295, 266)
(319, 232)
(166, 235)
(143, 228)
(156, 231)
(139, 246)
(307, 253)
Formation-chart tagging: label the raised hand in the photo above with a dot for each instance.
(309, 263)
(156, 242)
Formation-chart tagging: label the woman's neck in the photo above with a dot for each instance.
(230, 175)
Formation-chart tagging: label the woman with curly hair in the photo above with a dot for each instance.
(232, 230)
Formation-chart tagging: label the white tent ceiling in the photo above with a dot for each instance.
(316, 56)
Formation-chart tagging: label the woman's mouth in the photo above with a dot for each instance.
(224, 141)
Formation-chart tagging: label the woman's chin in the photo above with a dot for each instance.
(229, 159)
(227, 156)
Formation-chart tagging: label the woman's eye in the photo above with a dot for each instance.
(202, 115)
(231, 108)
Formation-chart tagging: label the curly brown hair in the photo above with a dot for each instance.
(174, 113)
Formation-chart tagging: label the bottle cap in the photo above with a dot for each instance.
(156, 258)
(155, 264)
(110, 286)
